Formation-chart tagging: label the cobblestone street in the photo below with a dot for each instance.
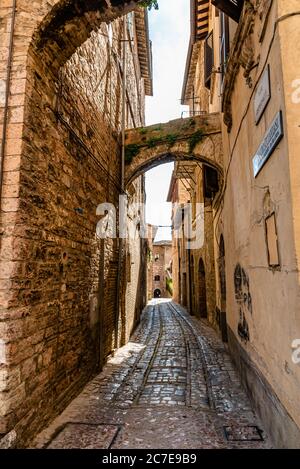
(172, 386)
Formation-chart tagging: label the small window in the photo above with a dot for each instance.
(157, 278)
(224, 44)
(210, 182)
(128, 267)
(232, 8)
(272, 241)
(208, 59)
(130, 25)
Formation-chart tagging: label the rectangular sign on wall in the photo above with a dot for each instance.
(270, 140)
(262, 95)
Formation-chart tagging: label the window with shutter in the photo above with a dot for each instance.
(210, 182)
(231, 8)
(224, 44)
(208, 59)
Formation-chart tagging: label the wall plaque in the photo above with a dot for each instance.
(270, 140)
(262, 95)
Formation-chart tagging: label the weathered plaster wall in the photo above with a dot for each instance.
(263, 302)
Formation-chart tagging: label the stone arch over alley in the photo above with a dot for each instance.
(195, 139)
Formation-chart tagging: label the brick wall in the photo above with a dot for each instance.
(54, 305)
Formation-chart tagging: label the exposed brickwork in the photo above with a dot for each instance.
(62, 159)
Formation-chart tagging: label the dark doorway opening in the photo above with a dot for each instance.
(184, 289)
(222, 279)
(157, 293)
(202, 290)
(192, 287)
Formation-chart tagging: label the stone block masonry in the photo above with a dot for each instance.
(174, 386)
(62, 159)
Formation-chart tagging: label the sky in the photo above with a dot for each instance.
(169, 29)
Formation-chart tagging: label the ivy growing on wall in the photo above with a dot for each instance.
(133, 149)
(194, 139)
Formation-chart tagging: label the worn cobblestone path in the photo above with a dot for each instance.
(172, 386)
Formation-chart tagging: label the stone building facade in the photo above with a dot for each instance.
(193, 269)
(68, 298)
(178, 194)
(160, 270)
(151, 233)
(243, 61)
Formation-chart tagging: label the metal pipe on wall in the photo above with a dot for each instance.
(121, 242)
(123, 105)
(7, 93)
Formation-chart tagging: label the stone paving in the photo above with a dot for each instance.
(172, 387)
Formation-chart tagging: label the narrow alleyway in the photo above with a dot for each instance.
(172, 386)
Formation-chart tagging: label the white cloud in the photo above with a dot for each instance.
(169, 32)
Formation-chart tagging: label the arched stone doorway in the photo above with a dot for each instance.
(157, 293)
(202, 290)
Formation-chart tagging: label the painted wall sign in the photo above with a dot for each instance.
(266, 148)
(262, 95)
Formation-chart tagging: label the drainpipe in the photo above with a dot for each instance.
(121, 242)
(190, 284)
(7, 93)
(123, 108)
(189, 267)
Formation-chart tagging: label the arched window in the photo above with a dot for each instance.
(157, 278)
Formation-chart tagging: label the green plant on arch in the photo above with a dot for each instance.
(151, 142)
(131, 151)
(171, 139)
(194, 139)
